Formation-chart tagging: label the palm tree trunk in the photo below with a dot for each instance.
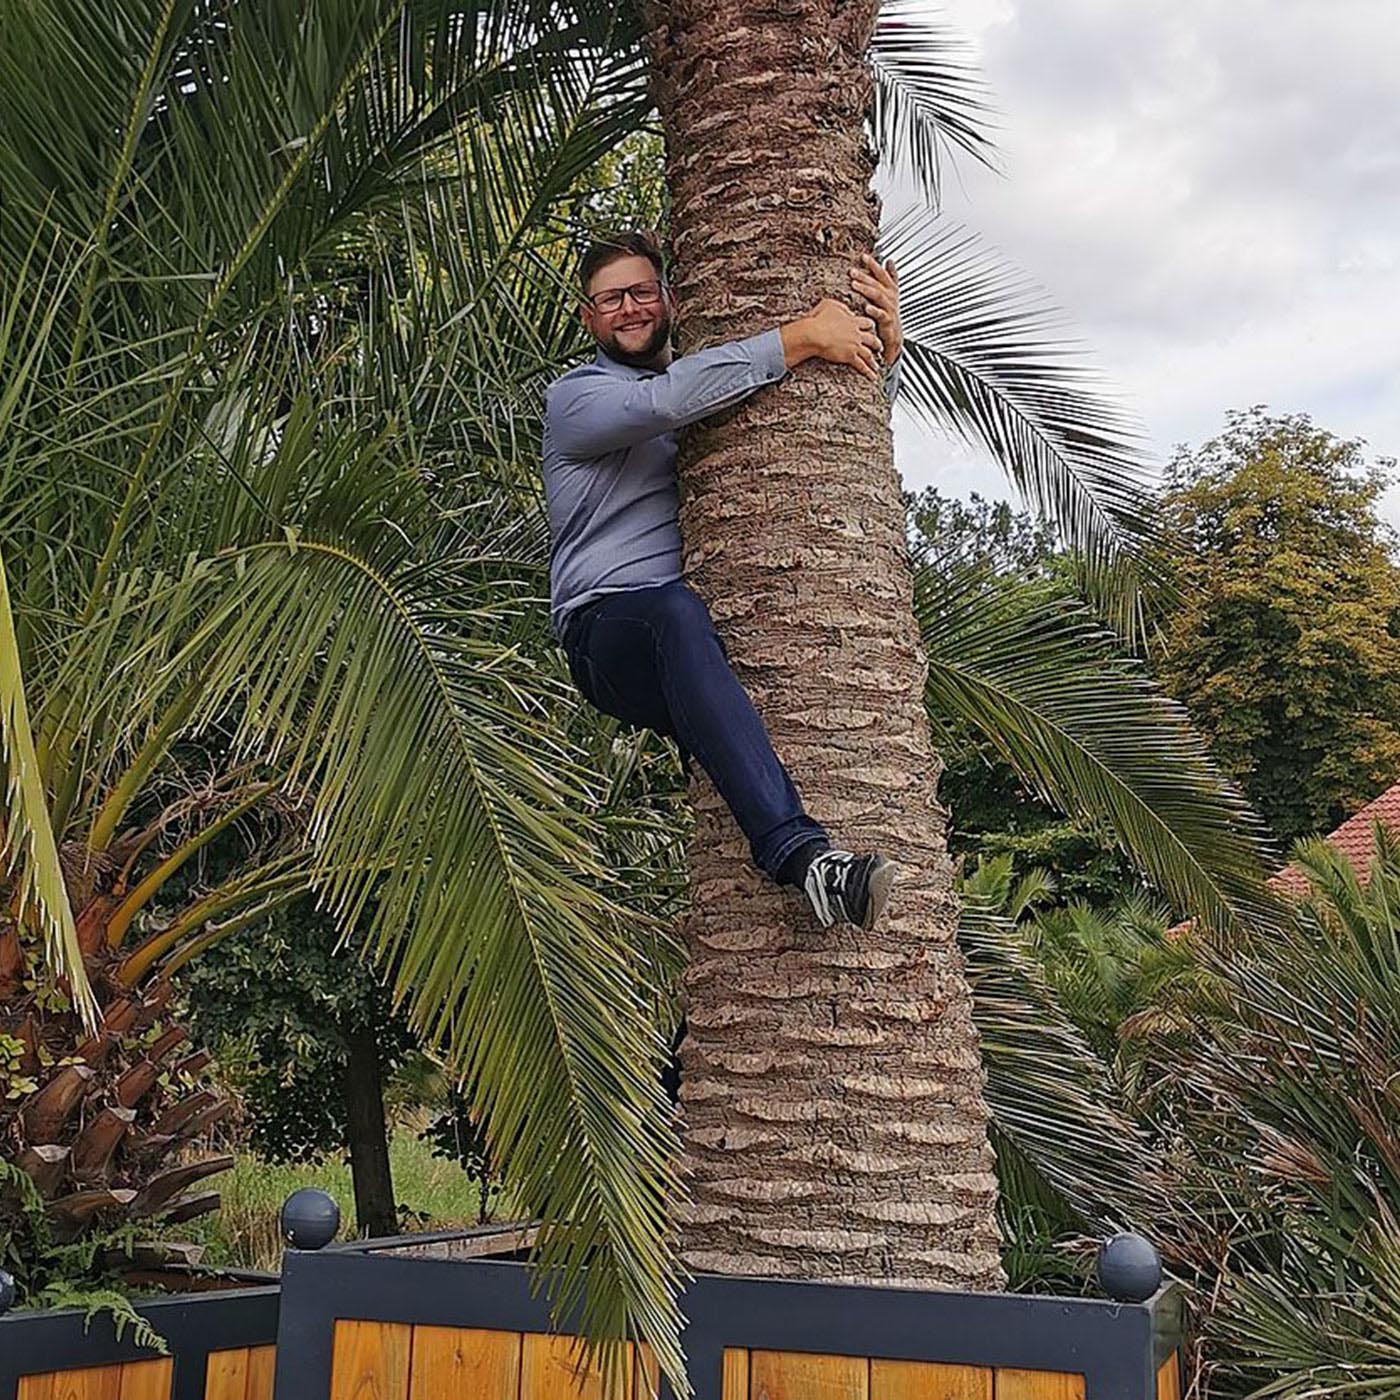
(832, 1090)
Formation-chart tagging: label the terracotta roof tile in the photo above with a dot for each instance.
(1355, 839)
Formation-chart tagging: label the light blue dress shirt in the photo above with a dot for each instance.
(609, 460)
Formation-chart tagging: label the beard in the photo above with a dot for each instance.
(655, 343)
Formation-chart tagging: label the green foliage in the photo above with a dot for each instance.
(1281, 1115)
(53, 1273)
(1021, 680)
(457, 1136)
(244, 1232)
(989, 534)
(1285, 642)
(283, 996)
(1042, 686)
(1069, 1159)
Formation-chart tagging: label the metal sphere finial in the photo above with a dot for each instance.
(310, 1218)
(1129, 1269)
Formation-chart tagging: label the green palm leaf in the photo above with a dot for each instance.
(28, 838)
(1041, 683)
(1056, 1111)
(929, 100)
(984, 358)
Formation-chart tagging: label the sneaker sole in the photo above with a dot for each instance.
(877, 892)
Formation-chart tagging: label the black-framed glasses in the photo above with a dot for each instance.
(643, 293)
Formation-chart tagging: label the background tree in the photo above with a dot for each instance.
(1285, 640)
(316, 1037)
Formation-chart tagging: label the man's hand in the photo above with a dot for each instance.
(880, 288)
(832, 331)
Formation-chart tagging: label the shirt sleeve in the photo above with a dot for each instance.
(891, 377)
(592, 414)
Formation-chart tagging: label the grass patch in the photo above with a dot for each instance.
(243, 1233)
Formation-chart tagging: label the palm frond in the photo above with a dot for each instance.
(278, 485)
(28, 835)
(442, 791)
(28, 839)
(1040, 682)
(1052, 1099)
(985, 359)
(930, 100)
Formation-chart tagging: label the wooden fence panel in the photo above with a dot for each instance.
(454, 1362)
(793, 1375)
(735, 1385)
(647, 1382)
(1038, 1385)
(1169, 1378)
(147, 1380)
(552, 1368)
(240, 1373)
(927, 1380)
(91, 1383)
(226, 1375)
(370, 1360)
(262, 1362)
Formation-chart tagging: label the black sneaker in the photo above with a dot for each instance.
(845, 888)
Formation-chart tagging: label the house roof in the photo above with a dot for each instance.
(1355, 839)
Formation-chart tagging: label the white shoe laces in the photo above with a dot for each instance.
(828, 900)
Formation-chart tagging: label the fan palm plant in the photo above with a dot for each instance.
(1281, 1112)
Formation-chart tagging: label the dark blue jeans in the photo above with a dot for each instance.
(652, 657)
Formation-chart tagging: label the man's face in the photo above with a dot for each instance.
(633, 334)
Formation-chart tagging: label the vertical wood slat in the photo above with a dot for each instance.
(90, 1383)
(551, 1368)
(453, 1362)
(1169, 1378)
(735, 1384)
(226, 1375)
(370, 1360)
(791, 1375)
(147, 1380)
(1038, 1385)
(262, 1363)
(925, 1380)
(646, 1383)
(240, 1373)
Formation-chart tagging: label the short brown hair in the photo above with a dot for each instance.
(608, 247)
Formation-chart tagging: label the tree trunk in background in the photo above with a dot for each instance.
(375, 1211)
(835, 1125)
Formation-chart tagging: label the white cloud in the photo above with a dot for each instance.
(1212, 192)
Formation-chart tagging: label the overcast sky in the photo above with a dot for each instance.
(1211, 190)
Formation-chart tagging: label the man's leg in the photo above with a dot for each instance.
(652, 657)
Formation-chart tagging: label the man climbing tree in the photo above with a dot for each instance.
(641, 645)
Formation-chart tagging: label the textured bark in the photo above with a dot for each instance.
(835, 1125)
